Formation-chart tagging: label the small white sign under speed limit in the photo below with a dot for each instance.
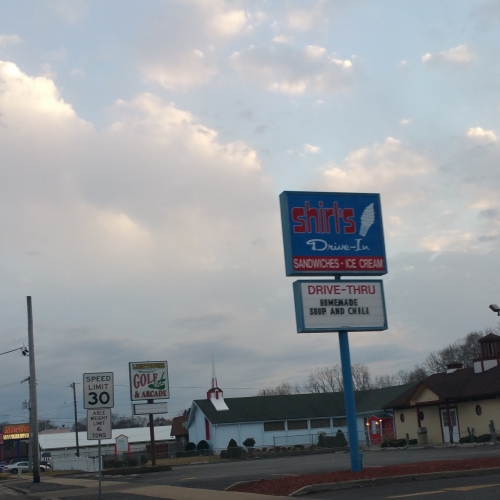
(98, 390)
(99, 424)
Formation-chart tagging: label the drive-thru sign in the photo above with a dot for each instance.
(98, 390)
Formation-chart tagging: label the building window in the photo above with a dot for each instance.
(479, 410)
(339, 422)
(294, 425)
(274, 426)
(319, 423)
(402, 417)
(421, 415)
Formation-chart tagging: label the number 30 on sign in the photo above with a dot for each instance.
(98, 390)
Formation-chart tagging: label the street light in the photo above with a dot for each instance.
(495, 308)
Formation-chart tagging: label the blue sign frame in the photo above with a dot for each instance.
(332, 234)
(299, 306)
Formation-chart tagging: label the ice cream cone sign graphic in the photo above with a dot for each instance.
(367, 219)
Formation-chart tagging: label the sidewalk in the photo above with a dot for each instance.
(55, 488)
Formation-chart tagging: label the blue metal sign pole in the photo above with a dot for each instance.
(350, 403)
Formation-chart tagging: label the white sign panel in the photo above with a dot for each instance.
(99, 424)
(98, 390)
(147, 409)
(148, 380)
(331, 306)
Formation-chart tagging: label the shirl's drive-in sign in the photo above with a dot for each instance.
(148, 380)
(98, 390)
(332, 233)
(330, 306)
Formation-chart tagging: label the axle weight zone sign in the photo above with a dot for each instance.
(99, 424)
(98, 390)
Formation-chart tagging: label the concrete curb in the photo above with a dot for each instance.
(344, 485)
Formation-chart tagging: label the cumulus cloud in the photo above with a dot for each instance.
(309, 148)
(459, 56)
(285, 69)
(6, 40)
(478, 134)
(154, 213)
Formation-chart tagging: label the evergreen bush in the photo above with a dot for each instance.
(249, 442)
(144, 459)
(190, 446)
(202, 445)
(340, 440)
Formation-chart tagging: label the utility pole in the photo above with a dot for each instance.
(33, 402)
(73, 385)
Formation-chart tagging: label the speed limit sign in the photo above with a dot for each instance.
(98, 390)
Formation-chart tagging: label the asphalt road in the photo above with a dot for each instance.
(218, 476)
(459, 488)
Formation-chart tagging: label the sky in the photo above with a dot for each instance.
(143, 147)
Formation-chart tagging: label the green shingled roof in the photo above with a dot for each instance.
(297, 406)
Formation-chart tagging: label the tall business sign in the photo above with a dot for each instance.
(332, 233)
(336, 234)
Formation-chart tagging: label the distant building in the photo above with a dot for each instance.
(447, 404)
(283, 420)
(63, 444)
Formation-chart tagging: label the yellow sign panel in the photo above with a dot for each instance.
(16, 431)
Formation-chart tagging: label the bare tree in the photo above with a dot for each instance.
(327, 379)
(416, 375)
(381, 381)
(361, 377)
(45, 425)
(462, 351)
(284, 389)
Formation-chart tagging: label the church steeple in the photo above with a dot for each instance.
(215, 394)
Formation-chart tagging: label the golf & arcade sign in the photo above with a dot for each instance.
(148, 380)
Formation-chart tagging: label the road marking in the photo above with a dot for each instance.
(473, 487)
(208, 477)
(418, 494)
(445, 490)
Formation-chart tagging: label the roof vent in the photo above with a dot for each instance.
(453, 367)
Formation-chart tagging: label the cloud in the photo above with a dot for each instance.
(153, 231)
(179, 50)
(285, 69)
(310, 149)
(6, 40)
(459, 56)
(405, 121)
(478, 134)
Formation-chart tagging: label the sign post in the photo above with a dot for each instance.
(336, 234)
(149, 380)
(98, 399)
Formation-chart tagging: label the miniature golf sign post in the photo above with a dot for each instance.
(336, 234)
(149, 381)
(98, 399)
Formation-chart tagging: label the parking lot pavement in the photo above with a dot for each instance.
(7, 493)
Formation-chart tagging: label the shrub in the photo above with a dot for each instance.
(398, 443)
(232, 444)
(385, 444)
(144, 459)
(483, 438)
(466, 439)
(132, 462)
(340, 440)
(413, 441)
(108, 463)
(117, 463)
(249, 442)
(190, 447)
(202, 445)
(322, 440)
(264, 449)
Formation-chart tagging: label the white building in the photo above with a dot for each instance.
(281, 420)
(63, 444)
